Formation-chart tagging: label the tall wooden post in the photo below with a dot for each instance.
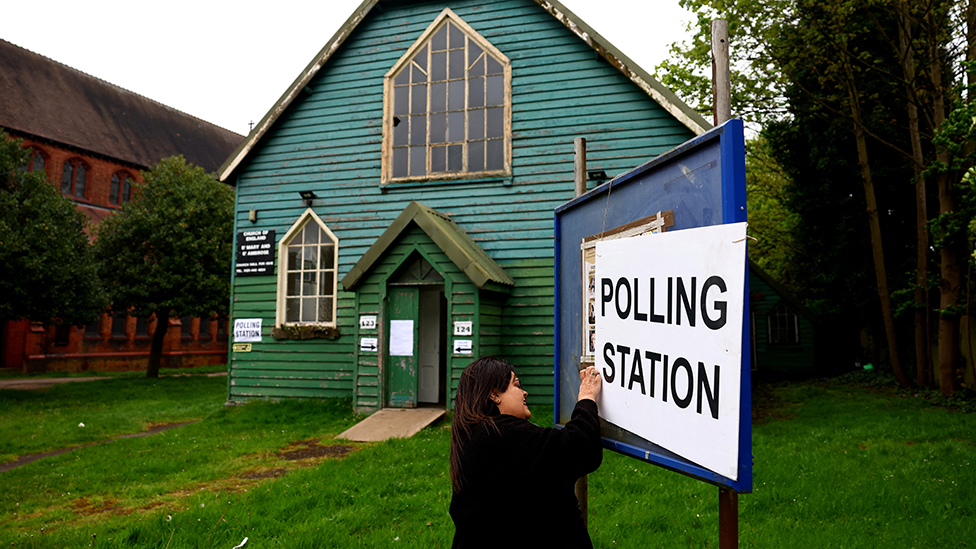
(721, 80)
(728, 500)
(579, 187)
(579, 169)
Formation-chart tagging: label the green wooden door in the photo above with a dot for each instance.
(401, 347)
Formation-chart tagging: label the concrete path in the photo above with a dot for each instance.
(392, 423)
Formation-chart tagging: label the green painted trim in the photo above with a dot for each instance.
(448, 372)
(451, 239)
(355, 352)
(448, 294)
(381, 337)
(384, 283)
(476, 327)
(230, 308)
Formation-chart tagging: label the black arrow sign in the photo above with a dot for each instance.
(370, 347)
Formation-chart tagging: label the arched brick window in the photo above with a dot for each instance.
(121, 190)
(74, 177)
(38, 161)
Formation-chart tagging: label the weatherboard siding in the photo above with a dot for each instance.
(330, 141)
(785, 359)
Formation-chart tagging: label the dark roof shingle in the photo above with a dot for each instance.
(44, 98)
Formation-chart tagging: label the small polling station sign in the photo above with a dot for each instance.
(247, 330)
(652, 289)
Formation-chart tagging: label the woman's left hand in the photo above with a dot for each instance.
(591, 382)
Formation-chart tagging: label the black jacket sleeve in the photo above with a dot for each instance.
(566, 453)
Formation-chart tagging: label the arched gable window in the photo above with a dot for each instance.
(307, 258)
(121, 190)
(447, 110)
(783, 325)
(74, 177)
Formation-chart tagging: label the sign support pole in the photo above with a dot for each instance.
(579, 187)
(728, 518)
(728, 500)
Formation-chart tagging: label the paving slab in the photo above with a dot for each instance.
(392, 423)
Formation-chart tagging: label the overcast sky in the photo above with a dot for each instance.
(228, 62)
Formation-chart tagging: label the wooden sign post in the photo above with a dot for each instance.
(728, 500)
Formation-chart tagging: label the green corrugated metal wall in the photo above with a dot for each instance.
(330, 142)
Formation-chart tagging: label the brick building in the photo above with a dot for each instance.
(91, 139)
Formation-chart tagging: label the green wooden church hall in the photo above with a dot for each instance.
(405, 184)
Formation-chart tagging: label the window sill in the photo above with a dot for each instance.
(305, 332)
(410, 184)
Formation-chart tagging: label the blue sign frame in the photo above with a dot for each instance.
(703, 182)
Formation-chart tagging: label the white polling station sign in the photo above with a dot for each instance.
(669, 339)
(247, 330)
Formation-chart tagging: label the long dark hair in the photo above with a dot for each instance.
(473, 405)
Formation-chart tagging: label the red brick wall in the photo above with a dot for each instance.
(108, 352)
(34, 345)
(99, 181)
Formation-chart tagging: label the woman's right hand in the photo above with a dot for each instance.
(591, 382)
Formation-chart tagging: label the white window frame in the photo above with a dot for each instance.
(280, 314)
(388, 108)
(782, 311)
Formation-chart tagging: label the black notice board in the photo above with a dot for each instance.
(255, 253)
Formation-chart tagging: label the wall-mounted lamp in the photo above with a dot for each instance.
(308, 197)
(252, 216)
(596, 175)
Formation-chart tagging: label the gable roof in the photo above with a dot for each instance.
(783, 292)
(45, 99)
(650, 85)
(464, 252)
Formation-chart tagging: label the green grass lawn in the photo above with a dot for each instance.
(835, 466)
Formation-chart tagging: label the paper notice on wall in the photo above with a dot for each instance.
(247, 330)
(401, 338)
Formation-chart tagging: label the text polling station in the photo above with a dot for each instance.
(669, 313)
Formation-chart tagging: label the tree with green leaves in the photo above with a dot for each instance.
(168, 252)
(771, 222)
(886, 73)
(48, 269)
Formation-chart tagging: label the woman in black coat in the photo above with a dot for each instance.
(513, 481)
